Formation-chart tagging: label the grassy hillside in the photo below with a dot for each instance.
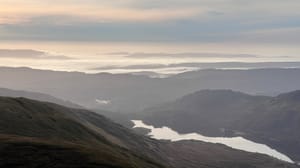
(274, 121)
(36, 133)
(4, 92)
(28, 126)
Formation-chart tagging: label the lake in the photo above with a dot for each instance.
(239, 143)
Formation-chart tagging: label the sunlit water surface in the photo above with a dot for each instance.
(240, 143)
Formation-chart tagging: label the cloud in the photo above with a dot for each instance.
(200, 65)
(147, 20)
(132, 67)
(276, 35)
(184, 55)
(94, 14)
(30, 54)
(103, 102)
(118, 53)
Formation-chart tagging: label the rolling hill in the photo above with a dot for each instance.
(34, 133)
(128, 93)
(4, 92)
(274, 121)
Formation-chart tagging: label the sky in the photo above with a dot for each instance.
(273, 21)
(132, 27)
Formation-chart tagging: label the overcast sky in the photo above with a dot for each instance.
(140, 35)
(255, 21)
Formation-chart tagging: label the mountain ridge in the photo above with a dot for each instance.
(133, 93)
(27, 126)
(269, 120)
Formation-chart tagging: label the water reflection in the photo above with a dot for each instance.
(240, 143)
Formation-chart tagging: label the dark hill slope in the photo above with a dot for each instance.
(30, 153)
(31, 125)
(274, 121)
(207, 111)
(33, 133)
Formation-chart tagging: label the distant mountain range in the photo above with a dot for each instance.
(40, 134)
(126, 93)
(274, 121)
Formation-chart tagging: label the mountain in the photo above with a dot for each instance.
(126, 93)
(206, 111)
(30, 128)
(274, 121)
(36, 96)
(35, 134)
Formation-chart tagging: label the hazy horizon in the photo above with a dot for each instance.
(216, 81)
(166, 58)
(102, 36)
